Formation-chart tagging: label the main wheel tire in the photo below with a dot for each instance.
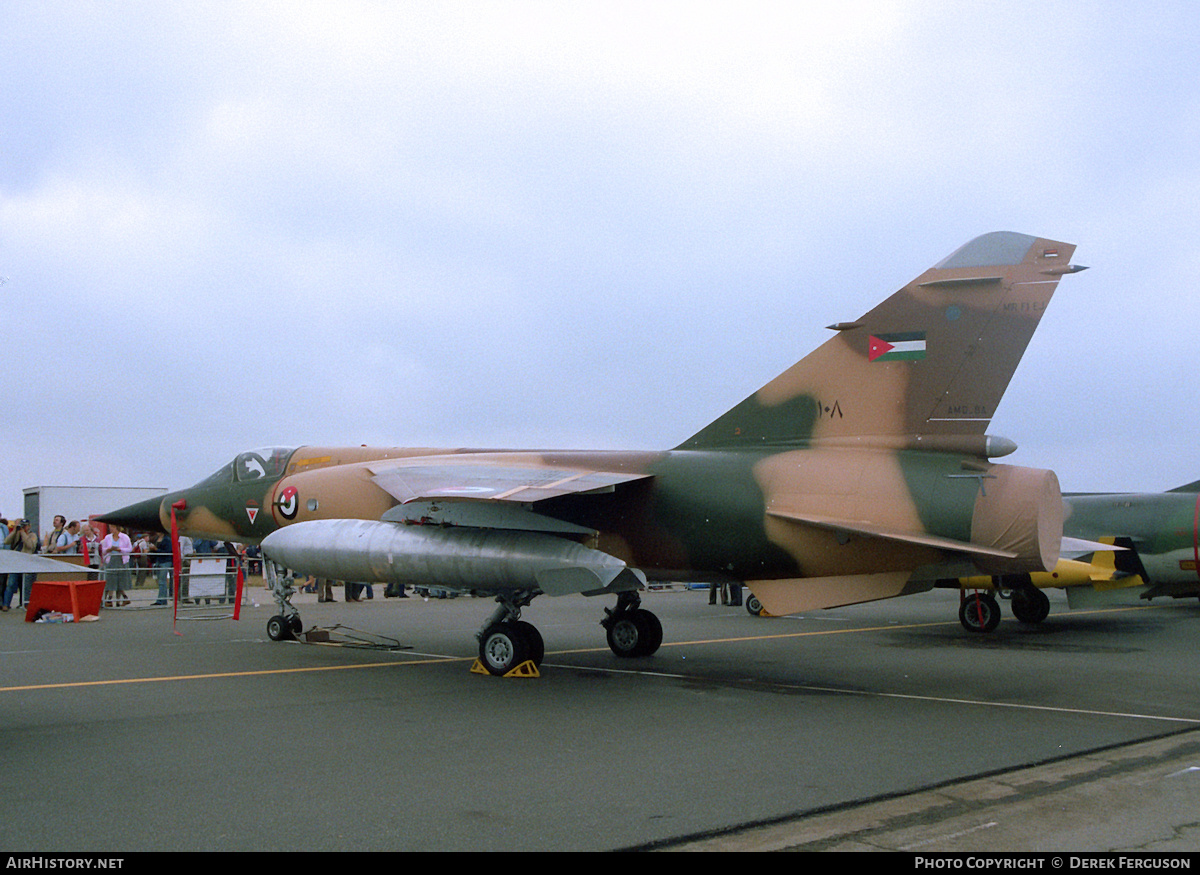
(979, 613)
(1030, 605)
(535, 647)
(651, 630)
(624, 635)
(502, 648)
(754, 606)
(635, 633)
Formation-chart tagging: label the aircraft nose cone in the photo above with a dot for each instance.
(142, 516)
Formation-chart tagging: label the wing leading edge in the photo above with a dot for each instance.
(425, 479)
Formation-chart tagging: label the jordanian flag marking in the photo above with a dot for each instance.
(902, 346)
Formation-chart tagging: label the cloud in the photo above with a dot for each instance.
(586, 224)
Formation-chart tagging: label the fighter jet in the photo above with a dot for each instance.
(862, 472)
(1153, 545)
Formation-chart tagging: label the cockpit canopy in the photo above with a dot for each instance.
(261, 464)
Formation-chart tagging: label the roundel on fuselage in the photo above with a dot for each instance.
(287, 502)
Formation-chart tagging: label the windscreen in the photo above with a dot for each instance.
(264, 463)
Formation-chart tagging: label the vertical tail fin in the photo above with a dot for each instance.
(928, 366)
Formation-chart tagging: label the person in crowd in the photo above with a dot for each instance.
(253, 559)
(141, 559)
(115, 550)
(89, 548)
(161, 560)
(232, 563)
(22, 540)
(187, 549)
(5, 531)
(68, 541)
(715, 587)
(51, 538)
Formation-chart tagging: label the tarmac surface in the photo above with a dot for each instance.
(874, 727)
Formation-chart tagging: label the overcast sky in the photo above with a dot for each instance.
(574, 225)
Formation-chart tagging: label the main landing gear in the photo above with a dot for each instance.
(980, 612)
(506, 641)
(754, 607)
(1030, 605)
(630, 628)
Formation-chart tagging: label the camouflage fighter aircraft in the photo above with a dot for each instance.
(862, 472)
(1154, 550)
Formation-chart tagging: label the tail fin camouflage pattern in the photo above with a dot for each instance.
(921, 374)
(926, 368)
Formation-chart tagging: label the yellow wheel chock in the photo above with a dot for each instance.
(525, 670)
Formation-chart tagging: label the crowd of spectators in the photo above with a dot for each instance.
(123, 560)
(127, 561)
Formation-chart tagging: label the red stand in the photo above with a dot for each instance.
(79, 598)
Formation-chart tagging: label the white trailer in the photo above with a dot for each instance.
(42, 503)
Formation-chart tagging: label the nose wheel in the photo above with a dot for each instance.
(284, 628)
(285, 625)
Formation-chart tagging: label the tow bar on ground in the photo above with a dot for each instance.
(343, 636)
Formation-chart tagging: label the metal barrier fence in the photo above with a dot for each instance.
(148, 579)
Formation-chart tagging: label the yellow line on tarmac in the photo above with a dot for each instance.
(228, 674)
(321, 668)
(818, 632)
(854, 629)
(773, 637)
(441, 659)
(850, 630)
